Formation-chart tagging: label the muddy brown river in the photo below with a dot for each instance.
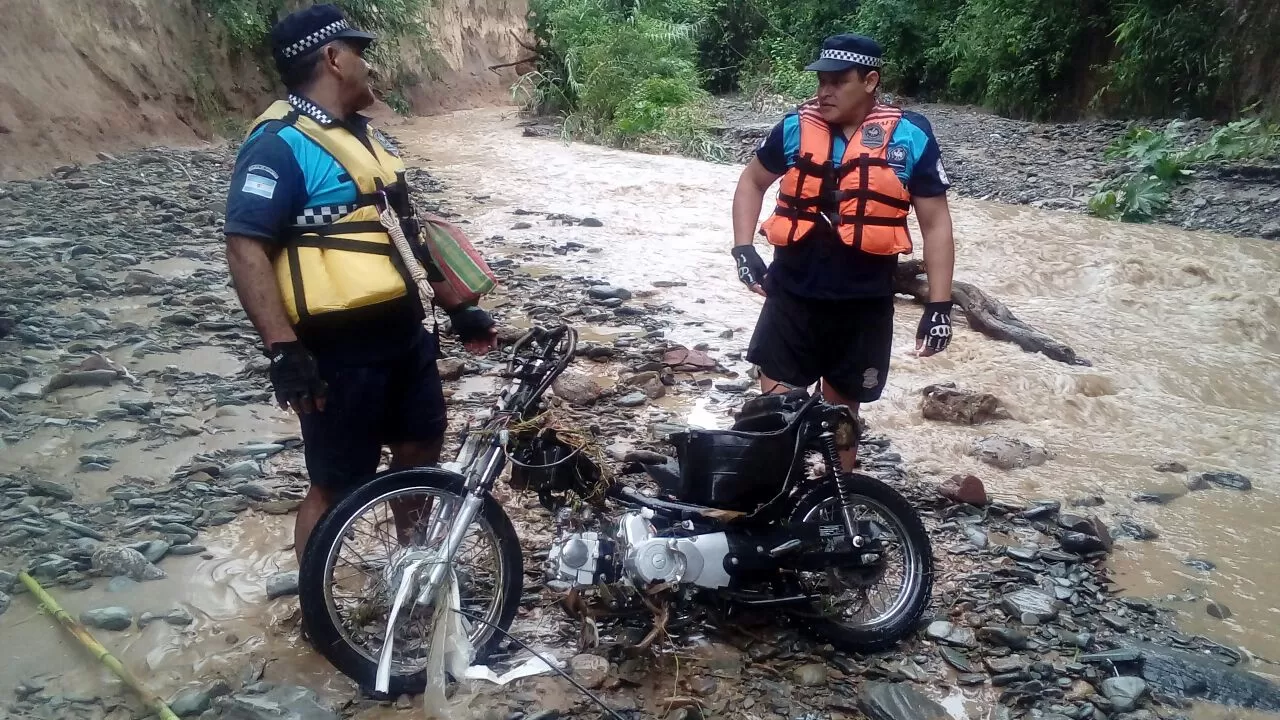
(1183, 330)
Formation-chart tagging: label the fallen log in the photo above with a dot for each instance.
(986, 314)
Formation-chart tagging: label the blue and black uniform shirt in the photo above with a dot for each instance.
(822, 267)
(284, 180)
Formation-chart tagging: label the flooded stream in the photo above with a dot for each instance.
(1183, 330)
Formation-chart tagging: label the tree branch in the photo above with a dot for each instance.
(986, 314)
(513, 64)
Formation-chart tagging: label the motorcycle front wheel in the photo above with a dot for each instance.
(353, 561)
(868, 609)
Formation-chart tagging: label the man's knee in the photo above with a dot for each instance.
(416, 453)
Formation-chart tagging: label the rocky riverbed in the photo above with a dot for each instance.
(1054, 165)
(136, 421)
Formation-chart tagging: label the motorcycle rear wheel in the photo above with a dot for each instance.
(899, 619)
(339, 624)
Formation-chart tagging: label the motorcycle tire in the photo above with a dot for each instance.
(324, 632)
(890, 631)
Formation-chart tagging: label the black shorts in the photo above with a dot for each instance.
(393, 396)
(846, 342)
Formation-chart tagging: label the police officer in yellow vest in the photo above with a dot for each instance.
(851, 170)
(316, 272)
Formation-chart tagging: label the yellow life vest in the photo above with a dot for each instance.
(340, 258)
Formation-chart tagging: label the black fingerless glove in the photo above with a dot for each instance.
(935, 326)
(295, 376)
(470, 322)
(751, 269)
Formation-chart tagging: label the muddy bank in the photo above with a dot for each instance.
(87, 78)
(1053, 165)
(136, 414)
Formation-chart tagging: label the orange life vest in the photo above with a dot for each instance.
(861, 197)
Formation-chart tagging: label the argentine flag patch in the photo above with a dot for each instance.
(260, 186)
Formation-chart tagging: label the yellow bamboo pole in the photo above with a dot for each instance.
(79, 632)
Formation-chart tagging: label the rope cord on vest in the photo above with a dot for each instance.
(392, 224)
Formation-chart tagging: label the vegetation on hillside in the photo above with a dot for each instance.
(637, 73)
(247, 23)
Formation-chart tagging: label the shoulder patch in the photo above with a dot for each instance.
(258, 185)
(386, 143)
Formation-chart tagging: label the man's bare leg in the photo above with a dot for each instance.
(848, 453)
(310, 511)
(410, 455)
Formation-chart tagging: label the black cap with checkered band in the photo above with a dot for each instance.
(304, 31)
(848, 51)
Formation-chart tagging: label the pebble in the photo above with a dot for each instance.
(810, 675)
(1218, 610)
(50, 489)
(108, 618)
(1124, 692)
(1031, 602)
(591, 670)
(242, 469)
(951, 634)
(1003, 636)
(282, 584)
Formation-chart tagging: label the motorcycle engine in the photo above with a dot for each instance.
(634, 552)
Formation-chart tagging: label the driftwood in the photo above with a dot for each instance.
(985, 314)
(521, 61)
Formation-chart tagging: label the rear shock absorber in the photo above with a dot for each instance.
(844, 482)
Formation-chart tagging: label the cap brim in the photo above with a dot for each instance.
(357, 37)
(830, 65)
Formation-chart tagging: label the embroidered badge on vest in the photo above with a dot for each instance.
(897, 155)
(873, 135)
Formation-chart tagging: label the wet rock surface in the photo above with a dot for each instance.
(1025, 614)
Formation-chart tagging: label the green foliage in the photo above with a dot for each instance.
(1160, 161)
(1014, 55)
(1171, 54)
(620, 71)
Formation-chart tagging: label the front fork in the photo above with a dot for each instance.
(437, 564)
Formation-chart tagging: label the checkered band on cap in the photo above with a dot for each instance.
(310, 109)
(315, 38)
(852, 57)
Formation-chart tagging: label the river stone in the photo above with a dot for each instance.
(113, 560)
(1124, 692)
(285, 702)
(964, 489)
(1081, 543)
(155, 550)
(951, 634)
(1218, 610)
(1199, 564)
(608, 292)
(897, 701)
(1000, 665)
(632, 399)
(242, 469)
(179, 617)
(577, 388)
(1024, 553)
(1007, 637)
(956, 659)
(1032, 602)
(190, 702)
(946, 403)
(736, 385)
(810, 675)
(1232, 480)
(108, 618)
(1170, 466)
(4, 601)
(49, 488)
(281, 584)
(121, 583)
(1008, 453)
(1155, 498)
(1135, 530)
(591, 670)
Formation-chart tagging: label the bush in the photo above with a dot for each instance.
(619, 71)
(1172, 55)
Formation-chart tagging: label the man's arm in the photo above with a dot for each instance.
(748, 199)
(939, 245)
(255, 282)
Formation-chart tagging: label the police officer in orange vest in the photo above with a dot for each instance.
(851, 171)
